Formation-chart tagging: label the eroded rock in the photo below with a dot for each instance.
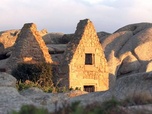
(10, 100)
(7, 80)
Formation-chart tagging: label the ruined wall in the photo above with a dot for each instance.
(29, 47)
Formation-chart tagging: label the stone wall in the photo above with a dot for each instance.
(80, 75)
(29, 47)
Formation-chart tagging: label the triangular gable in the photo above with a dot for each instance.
(85, 30)
(29, 47)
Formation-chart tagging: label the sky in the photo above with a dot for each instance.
(63, 15)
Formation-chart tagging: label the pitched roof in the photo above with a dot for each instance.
(29, 46)
(85, 28)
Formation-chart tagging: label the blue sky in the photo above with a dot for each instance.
(63, 15)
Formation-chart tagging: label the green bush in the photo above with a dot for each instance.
(39, 75)
(26, 71)
(30, 109)
(23, 85)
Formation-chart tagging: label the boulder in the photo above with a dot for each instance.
(129, 65)
(102, 35)
(139, 109)
(49, 100)
(75, 93)
(66, 38)
(1, 48)
(38, 96)
(8, 38)
(3, 65)
(7, 80)
(43, 32)
(52, 38)
(149, 67)
(135, 28)
(10, 100)
(56, 48)
(136, 86)
(144, 50)
(128, 50)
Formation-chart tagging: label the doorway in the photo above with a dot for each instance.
(89, 88)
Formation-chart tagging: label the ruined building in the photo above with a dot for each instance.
(29, 48)
(84, 65)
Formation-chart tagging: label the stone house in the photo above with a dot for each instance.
(84, 65)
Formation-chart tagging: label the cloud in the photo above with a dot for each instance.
(90, 2)
(63, 15)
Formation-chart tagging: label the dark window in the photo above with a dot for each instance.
(89, 59)
(89, 88)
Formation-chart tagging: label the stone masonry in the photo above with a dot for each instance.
(84, 65)
(28, 48)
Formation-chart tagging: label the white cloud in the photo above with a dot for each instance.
(63, 15)
(93, 1)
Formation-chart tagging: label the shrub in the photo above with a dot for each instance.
(107, 107)
(137, 99)
(39, 75)
(30, 109)
(24, 85)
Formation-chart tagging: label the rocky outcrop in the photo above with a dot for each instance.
(29, 47)
(7, 80)
(8, 38)
(52, 38)
(43, 32)
(133, 87)
(56, 51)
(56, 48)
(128, 50)
(10, 99)
(1, 48)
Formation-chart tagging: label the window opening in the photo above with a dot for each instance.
(89, 59)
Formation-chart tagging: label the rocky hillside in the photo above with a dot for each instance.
(133, 91)
(128, 52)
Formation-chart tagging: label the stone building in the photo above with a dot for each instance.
(84, 65)
(28, 48)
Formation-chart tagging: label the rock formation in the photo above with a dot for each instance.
(52, 38)
(128, 50)
(133, 87)
(128, 53)
(8, 38)
(12, 99)
(29, 47)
